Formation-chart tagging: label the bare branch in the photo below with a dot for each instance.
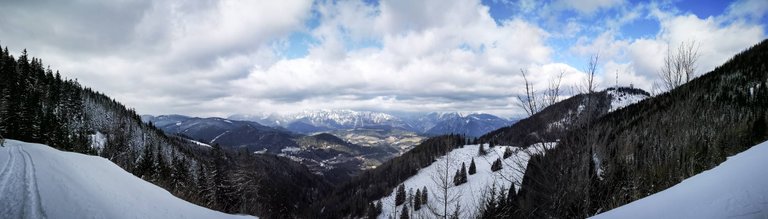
(679, 66)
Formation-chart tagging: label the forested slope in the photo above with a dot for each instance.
(650, 146)
(39, 105)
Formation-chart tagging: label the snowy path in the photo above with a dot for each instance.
(37, 181)
(19, 196)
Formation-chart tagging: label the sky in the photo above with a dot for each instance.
(217, 58)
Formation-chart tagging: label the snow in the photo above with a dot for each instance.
(200, 143)
(37, 181)
(620, 99)
(470, 193)
(98, 140)
(217, 137)
(290, 150)
(737, 188)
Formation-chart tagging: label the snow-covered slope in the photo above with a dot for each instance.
(737, 188)
(624, 97)
(470, 194)
(37, 181)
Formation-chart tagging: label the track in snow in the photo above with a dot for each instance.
(19, 196)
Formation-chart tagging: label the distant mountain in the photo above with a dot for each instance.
(325, 120)
(324, 154)
(230, 133)
(472, 125)
(315, 121)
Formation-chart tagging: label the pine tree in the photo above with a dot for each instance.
(145, 168)
(404, 214)
(472, 168)
(400, 195)
(417, 200)
(424, 196)
(481, 151)
(496, 165)
(457, 178)
(372, 211)
(463, 173)
(507, 153)
(180, 175)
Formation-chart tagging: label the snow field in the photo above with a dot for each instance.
(469, 195)
(37, 181)
(737, 188)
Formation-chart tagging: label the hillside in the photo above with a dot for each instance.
(734, 189)
(647, 147)
(42, 106)
(38, 181)
(233, 134)
(553, 122)
(470, 195)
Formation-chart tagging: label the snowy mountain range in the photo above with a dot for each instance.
(435, 123)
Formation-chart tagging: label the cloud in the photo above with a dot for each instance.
(214, 58)
(430, 63)
(638, 59)
(750, 9)
(157, 56)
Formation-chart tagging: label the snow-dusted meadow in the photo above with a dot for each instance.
(37, 181)
(470, 195)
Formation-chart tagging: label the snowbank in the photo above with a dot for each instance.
(737, 188)
(37, 181)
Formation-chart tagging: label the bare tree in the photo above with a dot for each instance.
(679, 65)
(529, 102)
(552, 94)
(589, 85)
(533, 102)
(444, 195)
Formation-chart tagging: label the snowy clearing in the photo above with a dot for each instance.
(37, 181)
(469, 194)
(621, 99)
(737, 188)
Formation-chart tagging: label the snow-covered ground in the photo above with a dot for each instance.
(469, 194)
(737, 188)
(37, 181)
(98, 140)
(621, 99)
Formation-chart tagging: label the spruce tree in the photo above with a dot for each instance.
(472, 168)
(372, 213)
(404, 214)
(463, 173)
(481, 150)
(496, 165)
(507, 153)
(417, 200)
(457, 178)
(400, 195)
(424, 195)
